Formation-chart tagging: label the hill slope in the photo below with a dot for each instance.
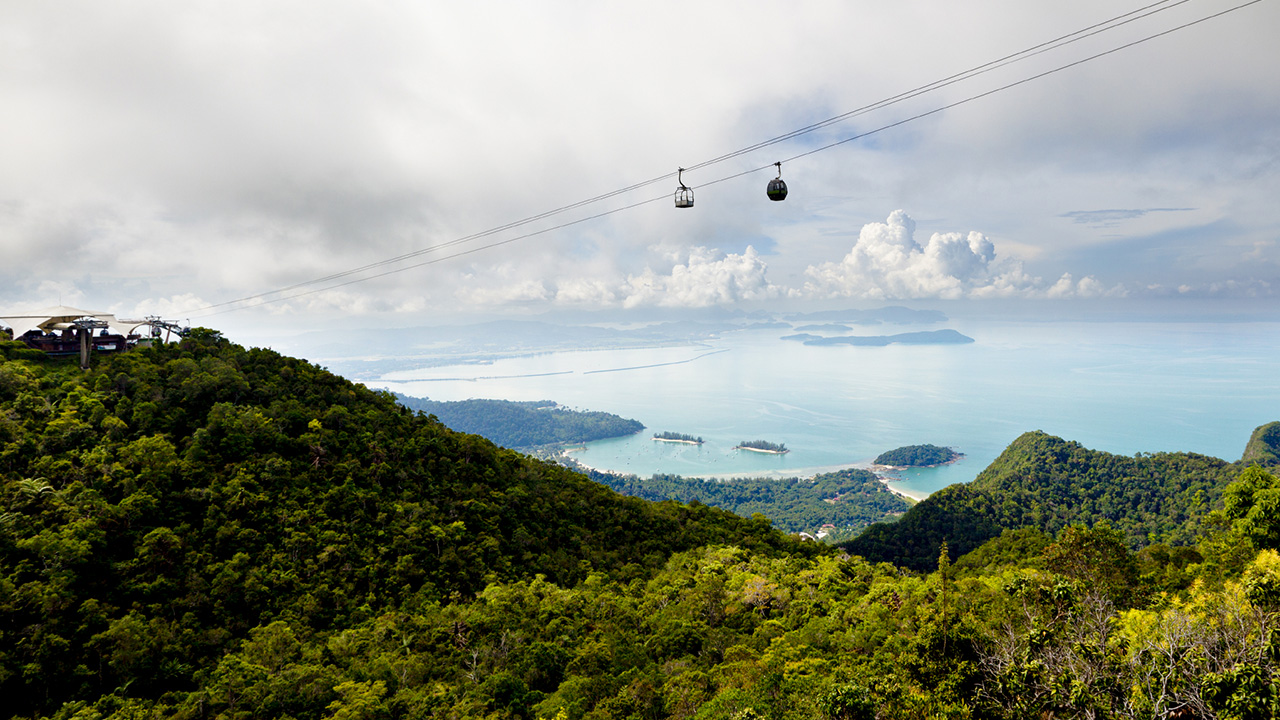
(1264, 445)
(158, 507)
(1049, 483)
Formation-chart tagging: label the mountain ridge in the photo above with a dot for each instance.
(1050, 483)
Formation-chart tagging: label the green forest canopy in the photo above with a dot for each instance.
(682, 437)
(1049, 483)
(917, 456)
(204, 531)
(763, 445)
(848, 499)
(161, 506)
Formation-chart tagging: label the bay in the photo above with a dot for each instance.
(1121, 387)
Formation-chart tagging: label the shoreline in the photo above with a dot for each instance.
(913, 497)
(762, 450)
(873, 467)
(674, 440)
(802, 473)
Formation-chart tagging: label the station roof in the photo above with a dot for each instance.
(56, 318)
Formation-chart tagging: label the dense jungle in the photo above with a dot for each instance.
(199, 530)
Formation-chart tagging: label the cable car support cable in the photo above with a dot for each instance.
(968, 74)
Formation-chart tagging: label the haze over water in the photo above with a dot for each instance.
(1121, 387)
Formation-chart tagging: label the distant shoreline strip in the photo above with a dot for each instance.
(482, 377)
(665, 364)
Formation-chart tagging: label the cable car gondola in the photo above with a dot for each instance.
(684, 194)
(777, 187)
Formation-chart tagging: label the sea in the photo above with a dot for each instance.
(1119, 387)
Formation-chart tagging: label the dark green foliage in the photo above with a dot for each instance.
(1097, 557)
(848, 702)
(917, 456)
(201, 531)
(958, 514)
(1163, 568)
(849, 498)
(1252, 504)
(17, 350)
(763, 445)
(1021, 548)
(524, 424)
(1048, 483)
(667, 435)
(158, 508)
(1242, 693)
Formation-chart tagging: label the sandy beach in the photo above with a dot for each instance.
(762, 450)
(805, 473)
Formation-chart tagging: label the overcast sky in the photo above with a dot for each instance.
(161, 157)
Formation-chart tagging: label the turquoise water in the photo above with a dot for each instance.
(1118, 387)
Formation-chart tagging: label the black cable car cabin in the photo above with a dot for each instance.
(777, 189)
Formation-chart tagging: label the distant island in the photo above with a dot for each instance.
(763, 446)
(894, 314)
(665, 436)
(524, 424)
(927, 337)
(918, 456)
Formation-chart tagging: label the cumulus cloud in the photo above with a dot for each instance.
(887, 262)
(685, 277)
(1245, 288)
(1086, 287)
(705, 279)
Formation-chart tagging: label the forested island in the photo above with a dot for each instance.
(524, 425)
(918, 456)
(763, 446)
(666, 436)
(198, 530)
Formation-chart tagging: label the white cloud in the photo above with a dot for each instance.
(172, 148)
(887, 262)
(707, 278)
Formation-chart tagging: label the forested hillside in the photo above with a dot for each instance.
(524, 424)
(1049, 483)
(158, 508)
(1264, 445)
(849, 499)
(199, 531)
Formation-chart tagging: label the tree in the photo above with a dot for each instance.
(1098, 558)
(1252, 503)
